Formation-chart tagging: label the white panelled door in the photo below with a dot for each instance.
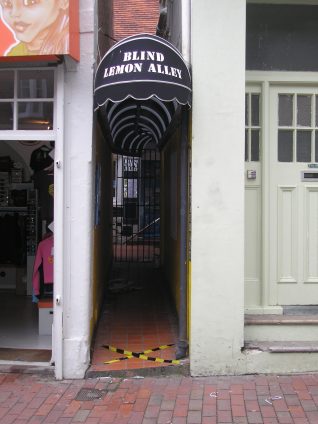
(293, 187)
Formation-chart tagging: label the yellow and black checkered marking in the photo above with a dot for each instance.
(141, 355)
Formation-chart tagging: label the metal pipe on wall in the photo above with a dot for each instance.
(182, 345)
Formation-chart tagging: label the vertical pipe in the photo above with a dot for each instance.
(182, 346)
(186, 30)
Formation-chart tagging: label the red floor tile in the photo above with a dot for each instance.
(136, 320)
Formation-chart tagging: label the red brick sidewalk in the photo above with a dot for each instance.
(249, 399)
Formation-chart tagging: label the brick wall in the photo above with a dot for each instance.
(131, 17)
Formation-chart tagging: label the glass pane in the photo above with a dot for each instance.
(316, 146)
(35, 84)
(6, 84)
(35, 116)
(304, 111)
(285, 146)
(6, 116)
(132, 188)
(303, 146)
(285, 109)
(246, 145)
(255, 109)
(255, 146)
(316, 111)
(246, 109)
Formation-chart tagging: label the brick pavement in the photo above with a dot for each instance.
(270, 399)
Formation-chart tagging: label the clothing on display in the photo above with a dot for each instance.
(44, 256)
(42, 182)
(42, 164)
(41, 158)
(13, 239)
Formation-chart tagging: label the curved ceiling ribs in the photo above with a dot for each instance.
(139, 86)
(133, 124)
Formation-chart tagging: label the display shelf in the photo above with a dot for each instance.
(13, 209)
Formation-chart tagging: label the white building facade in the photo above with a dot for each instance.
(254, 191)
(254, 221)
(254, 208)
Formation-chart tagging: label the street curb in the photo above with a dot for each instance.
(183, 370)
(47, 371)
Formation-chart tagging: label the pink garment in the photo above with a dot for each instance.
(44, 256)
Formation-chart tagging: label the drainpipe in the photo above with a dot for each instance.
(182, 345)
(186, 30)
(162, 23)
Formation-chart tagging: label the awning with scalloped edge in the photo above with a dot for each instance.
(139, 85)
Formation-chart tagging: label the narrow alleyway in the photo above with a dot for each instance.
(273, 399)
(138, 316)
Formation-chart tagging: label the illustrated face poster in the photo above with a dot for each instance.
(38, 27)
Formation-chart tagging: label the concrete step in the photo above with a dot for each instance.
(285, 347)
(287, 328)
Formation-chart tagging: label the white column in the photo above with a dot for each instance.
(78, 177)
(217, 296)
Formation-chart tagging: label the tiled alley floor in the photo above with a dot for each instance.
(137, 316)
(269, 399)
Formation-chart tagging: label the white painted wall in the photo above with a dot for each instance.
(78, 177)
(217, 301)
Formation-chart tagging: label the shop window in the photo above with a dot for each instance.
(6, 85)
(27, 99)
(6, 116)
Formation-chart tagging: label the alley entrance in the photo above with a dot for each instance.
(138, 315)
(140, 111)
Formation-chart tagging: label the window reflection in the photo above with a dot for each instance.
(6, 116)
(35, 115)
(6, 84)
(35, 84)
(285, 109)
(285, 146)
(303, 146)
(255, 146)
(303, 111)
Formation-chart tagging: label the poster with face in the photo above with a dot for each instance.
(35, 27)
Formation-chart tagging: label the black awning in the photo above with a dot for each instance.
(139, 85)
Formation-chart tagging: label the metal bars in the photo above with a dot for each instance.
(136, 207)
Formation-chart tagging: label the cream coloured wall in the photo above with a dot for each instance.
(217, 248)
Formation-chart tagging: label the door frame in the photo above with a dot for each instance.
(59, 219)
(56, 135)
(266, 80)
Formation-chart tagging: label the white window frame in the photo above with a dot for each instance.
(251, 90)
(32, 134)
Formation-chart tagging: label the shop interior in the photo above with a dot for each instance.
(26, 250)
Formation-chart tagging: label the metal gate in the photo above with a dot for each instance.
(136, 207)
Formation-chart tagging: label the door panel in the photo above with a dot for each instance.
(287, 235)
(311, 235)
(253, 197)
(293, 209)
